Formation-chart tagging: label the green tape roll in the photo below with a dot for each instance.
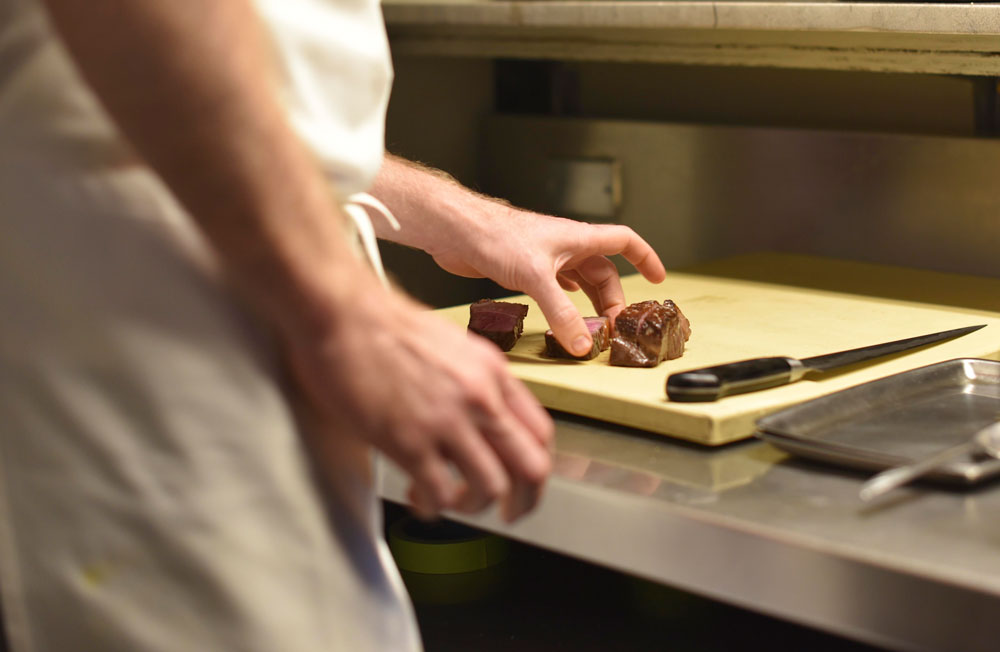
(419, 548)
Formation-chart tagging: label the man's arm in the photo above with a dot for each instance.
(189, 86)
(540, 255)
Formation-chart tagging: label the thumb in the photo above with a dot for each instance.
(564, 319)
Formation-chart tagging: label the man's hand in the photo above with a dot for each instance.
(542, 256)
(439, 403)
(475, 236)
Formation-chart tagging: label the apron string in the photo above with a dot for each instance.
(355, 208)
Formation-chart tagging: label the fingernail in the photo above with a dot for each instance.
(581, 345)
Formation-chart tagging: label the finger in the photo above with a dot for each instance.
(419, 504)
(526, 460)
(600, 280)
(526, 408)
(485, 477)
(435, 485)
(520, 452)
(563, 317)
(588, 289)
(618, 239)
(567, 283)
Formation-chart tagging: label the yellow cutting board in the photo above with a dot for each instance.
(734, 317)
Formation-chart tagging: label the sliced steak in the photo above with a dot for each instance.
(600, 331)
(648, 332)
(500, 322)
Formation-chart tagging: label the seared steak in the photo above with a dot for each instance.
(649, 332)
(600, 331)
(498, 321)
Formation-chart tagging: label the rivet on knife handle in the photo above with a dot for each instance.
(712, 383)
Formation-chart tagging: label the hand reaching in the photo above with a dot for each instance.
(541, 256)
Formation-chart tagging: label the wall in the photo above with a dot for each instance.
(878, 167)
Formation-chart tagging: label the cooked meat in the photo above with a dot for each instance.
(600, 331)
(649, 332)
(498, 321)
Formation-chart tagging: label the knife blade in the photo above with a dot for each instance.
(713, 383)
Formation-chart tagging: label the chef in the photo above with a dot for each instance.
(197, 352)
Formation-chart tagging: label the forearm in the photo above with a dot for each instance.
(189, 86)
(429, 204)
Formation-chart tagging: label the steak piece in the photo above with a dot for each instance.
(500, 322)
(649, 332)
(600, 331)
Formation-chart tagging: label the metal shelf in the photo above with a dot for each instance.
(897, 37)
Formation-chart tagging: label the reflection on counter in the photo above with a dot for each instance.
(679, 471)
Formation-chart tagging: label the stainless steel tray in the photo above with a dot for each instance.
(897, 419)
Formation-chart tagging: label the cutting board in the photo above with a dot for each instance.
(734, 315)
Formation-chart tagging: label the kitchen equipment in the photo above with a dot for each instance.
(802, 306)
(898, 420)
(986, 440)
(713, 383)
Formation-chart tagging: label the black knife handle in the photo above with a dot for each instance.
(713, 383)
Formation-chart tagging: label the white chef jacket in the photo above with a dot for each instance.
(154, 490)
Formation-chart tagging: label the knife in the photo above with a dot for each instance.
(713, 383)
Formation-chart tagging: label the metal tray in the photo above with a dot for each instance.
(897, 419)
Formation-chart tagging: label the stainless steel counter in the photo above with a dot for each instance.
(750, 526)
(950, 38)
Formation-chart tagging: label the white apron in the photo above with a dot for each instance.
(154, 490)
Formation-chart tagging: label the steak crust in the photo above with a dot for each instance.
(600, 332)
(648, 332)
(501, 322)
